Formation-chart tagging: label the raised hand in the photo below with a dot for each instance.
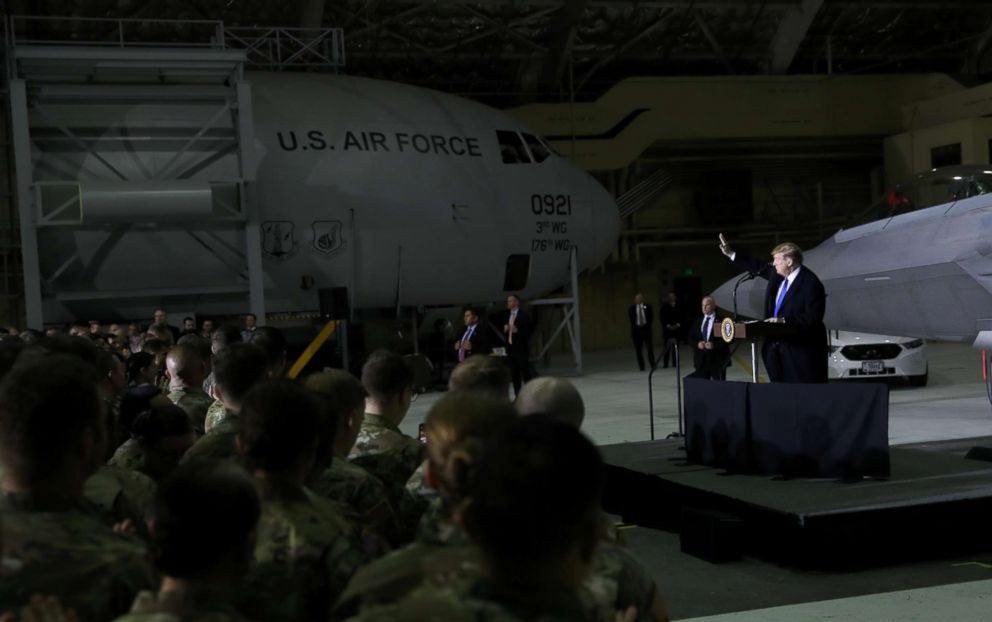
(725, 246)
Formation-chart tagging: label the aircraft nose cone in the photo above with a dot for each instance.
(750, 297)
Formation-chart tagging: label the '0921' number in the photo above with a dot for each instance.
(551, 204)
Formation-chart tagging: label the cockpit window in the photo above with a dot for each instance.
(537, 148)
(551, 148)
(511, 148)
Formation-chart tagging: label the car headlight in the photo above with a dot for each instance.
(912, 345)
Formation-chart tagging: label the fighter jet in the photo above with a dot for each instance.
(918, 262)
(404, 195)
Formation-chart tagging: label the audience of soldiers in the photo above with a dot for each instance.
(165, 476)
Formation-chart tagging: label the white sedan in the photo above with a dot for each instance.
(866, 356)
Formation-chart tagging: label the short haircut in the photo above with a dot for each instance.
(200, 344)
(486, 374)
(160, 331)
(238, 368)
(182, 360)
(155, 346)
(279, 424)
(342, 392)
(159, 422)
(46, 405)
(202, 512)
(225, 336)
(536, 493)
(790, 250)
(456, 425)
(386, 374)
(188, 319)
(273, 341)
(251, 315)
(555, 397)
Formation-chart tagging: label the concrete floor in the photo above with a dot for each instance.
(953, 406)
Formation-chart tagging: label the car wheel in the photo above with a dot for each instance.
(920, 381)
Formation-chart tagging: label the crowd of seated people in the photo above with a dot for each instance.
(187, 479)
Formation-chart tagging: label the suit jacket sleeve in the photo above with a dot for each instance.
(762, 268)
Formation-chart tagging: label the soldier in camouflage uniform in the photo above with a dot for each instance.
(186, 371)
(343, 400)
(306, 549)
(380, 447)
(237, 369)
(159, 438)
(202, 563)
(448, 574)
(53, 433)
(220, 339)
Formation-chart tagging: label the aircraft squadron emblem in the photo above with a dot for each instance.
(279, 239)
(327, 236)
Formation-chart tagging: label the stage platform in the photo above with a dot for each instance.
(934, 503)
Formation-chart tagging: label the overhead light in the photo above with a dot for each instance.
(957, 178)
(987, 172)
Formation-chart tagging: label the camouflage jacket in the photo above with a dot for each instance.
(361, 491)
(195, 402)
(387, 453)
(215, 414)
(480, 603)
(378, 435)
(128, 456)
(219, 442)
(415, 499)
(305, 553)
(69, 554)
(169, 607)
(121, 494)
(437, 527)
(616, 580)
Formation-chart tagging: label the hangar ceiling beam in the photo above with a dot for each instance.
(658, 24)
(792, 29)
(717, 49)
(562, 40)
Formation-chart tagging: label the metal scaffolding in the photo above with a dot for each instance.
(151, 138)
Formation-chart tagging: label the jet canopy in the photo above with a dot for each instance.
(934, 187)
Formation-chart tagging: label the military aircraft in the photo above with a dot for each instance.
(918, 262)
(405, 196)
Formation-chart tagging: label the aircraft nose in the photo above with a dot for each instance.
(750, 297)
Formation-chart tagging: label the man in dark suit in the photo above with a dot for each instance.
(710, 352)
(518, 325)
(672, 327)
(641, 316)
(473, 339)
(794, 296)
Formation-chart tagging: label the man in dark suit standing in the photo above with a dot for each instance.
(517, 329)
(794, 296)
(641, 316)
(473, 339)
(710, 352)
(671, 327)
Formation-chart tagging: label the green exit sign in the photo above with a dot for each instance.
(687, 272)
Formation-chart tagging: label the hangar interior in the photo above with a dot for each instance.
(766, 120)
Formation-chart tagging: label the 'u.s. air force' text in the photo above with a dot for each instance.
(382, 142)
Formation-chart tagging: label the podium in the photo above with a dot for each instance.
(753, 332)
